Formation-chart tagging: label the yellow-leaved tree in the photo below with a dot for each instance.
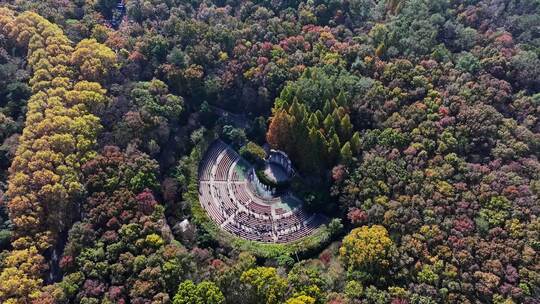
(366, 249)
(59, 136)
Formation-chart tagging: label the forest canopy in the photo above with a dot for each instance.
(413, 127)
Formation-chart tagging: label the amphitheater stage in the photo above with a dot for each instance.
(275, 173)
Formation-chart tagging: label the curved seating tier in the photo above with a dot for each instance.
(240, 191)
(224, 164)
(206, 165)
(229, 202)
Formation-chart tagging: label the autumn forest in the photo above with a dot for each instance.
(269, 151)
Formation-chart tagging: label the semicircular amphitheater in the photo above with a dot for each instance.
(235, 199)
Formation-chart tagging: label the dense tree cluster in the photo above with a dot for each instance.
(59, 136)
(14, 92)
(122, 251)
(449, 172)
(311, 121)
(150, 119)
(416, 122)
